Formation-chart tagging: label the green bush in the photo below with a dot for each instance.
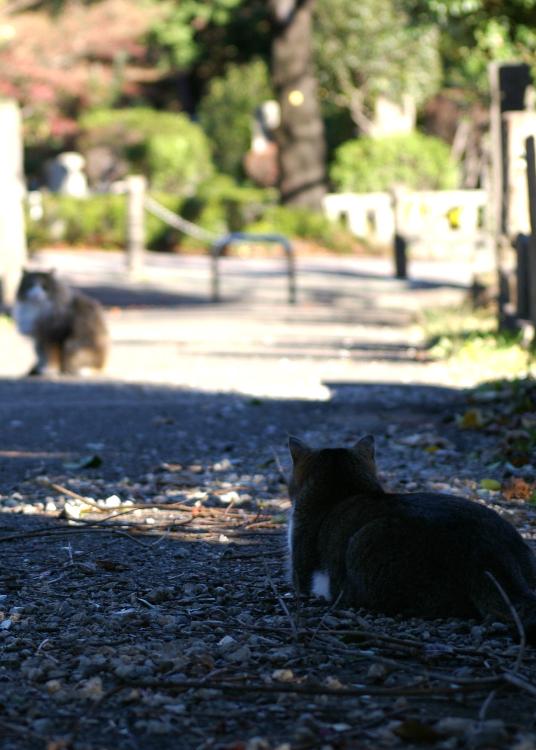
(304, 224)
(98, 221)
(222, 206)
(171, 150)
(416, 161)
(226, 112)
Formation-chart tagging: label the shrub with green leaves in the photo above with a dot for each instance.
(98, 221)
(172, 151)
(302, 223)
(226, 112)
(417, 161)
(222, 206)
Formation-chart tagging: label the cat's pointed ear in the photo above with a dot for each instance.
(298, 449)
(365, 448)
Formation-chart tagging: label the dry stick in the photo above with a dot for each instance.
(517, 681)
(415, 690)
(71, 530)
(332, 606)
(487, 703)
(62, 490)
(281, 602)
(516, 619)
(279, 466)
(428, 673)
(71, 493)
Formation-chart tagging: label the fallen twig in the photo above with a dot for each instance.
(516, 619)
(282, 604)
(414, 690)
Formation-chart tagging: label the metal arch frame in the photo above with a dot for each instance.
(235, 237)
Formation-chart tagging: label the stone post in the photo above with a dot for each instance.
(136, 187)
(12, 230)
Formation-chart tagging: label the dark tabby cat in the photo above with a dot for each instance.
(421, 554)
(67, 327)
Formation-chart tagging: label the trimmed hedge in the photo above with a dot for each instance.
(417, 161)
(98, 221)
(220, 206)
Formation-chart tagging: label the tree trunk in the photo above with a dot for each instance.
(300, 136)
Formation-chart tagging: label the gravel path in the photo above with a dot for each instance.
(143, 592)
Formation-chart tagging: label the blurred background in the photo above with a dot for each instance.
(380, 134)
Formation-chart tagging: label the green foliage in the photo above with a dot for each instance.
(202, 37)
(417, 161)
(304, 224)
(175, 32)
(364, 49)
(469, 343)
(222, 206)
(171, 150)
(226, 112)
(474, 33)
(98, 221)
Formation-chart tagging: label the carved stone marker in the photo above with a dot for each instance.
(65, 175)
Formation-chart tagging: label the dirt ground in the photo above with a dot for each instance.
(143, 589)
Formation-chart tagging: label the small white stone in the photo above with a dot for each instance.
(226, 642)
(112, 502)
(72, 510)
(230, 497)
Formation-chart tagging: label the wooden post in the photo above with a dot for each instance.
(508, 88)
(531, 186)
(522, 245)
(12, 230)
(136, 187)
(400, 245)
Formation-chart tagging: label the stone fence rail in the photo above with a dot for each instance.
(435, 223)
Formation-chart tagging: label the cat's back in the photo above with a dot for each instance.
(423, 515)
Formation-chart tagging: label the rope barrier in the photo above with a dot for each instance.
(177, 222)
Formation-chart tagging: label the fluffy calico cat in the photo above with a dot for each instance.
(67, 327)
(421, 554)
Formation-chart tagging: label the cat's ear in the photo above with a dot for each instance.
(365, 448)
(298, 449)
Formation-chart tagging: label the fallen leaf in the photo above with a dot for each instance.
(490, 484)
(471, 420)
(86, 462)
(516, 488)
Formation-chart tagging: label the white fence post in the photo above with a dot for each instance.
(12, 230)
(136, 187)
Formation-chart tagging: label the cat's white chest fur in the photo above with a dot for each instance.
(26, 314)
